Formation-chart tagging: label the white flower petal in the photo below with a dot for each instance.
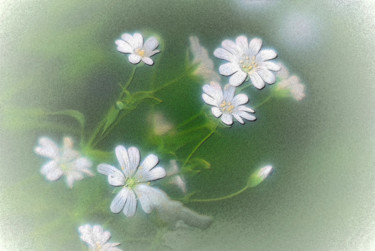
(271, 66)
(208, 100)
(151, 44)
(142, 192)
(245, 109)
(283, 72)
(229, 92)
(147, 60)
(246, 115)
(54, 174)
(150, 162)
(214, 90)
(115, 176)
(123, 46)
(230, 46)
(266, 75)
(134, 59)
(134, 156)
(50, 166)
(130, 204)
(123, 159)
(216, 112)
(255, 45)
(144, 175)
(153, 53)
(82, 164)
(237, 78)
(119, 201)
(228, 69)
(240, 99)
(242, 43)
(129, 39)
(47, 148)
(256, 80)
(227, 119)
(266, 55)
(224, 54)
(138, 40)
(238, 118)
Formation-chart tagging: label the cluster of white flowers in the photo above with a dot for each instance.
(246, 60)
(64, 161)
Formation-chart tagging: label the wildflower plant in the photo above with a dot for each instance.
(143, 184)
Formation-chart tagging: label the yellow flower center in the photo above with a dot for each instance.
(140, 52)
(98, 246)
(227, 106)
(247, 65)
(130, 183)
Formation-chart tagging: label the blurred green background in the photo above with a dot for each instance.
(61, 55)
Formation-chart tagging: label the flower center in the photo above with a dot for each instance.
(98, 246)
(247, 65)
(131, 182)
(226, 106)
(140, 52)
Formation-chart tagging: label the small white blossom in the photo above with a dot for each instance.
(133, 178)
(247, 59)
(138, 50)
(97, 239)
(225, 104)
(176, 179)
(206, 65)
(64, 161)
(291, 84)
(263, 172)
(160, 125)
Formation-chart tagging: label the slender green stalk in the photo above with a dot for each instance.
(221, 198)
(190, 119)
(130, 78)
(184, 74)
(263, 102)
(199, 145)
(102, 122)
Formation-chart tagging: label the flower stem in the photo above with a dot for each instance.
(185, 73)
(221, 198)
(190, 119)
(130, 78)
(263, 102)
(199, 144)
(102, 122)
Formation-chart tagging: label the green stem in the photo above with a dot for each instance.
(199, 144)
(190, 119)
(263, 102)
(221, 198)
(102, 122)
(185, 73)
(130, 78)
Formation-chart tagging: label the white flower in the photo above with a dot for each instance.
(246, 59)
(160, 125)
(64, 161)
(133, 178)
(96, 239)
(138, 51)
(176, 179)
(206, 66)
(225, 104)
(263, 172)
(290, 84)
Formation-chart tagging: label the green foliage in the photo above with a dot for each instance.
(77, 115)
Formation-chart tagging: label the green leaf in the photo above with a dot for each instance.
(77, 115)
(112, 115)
